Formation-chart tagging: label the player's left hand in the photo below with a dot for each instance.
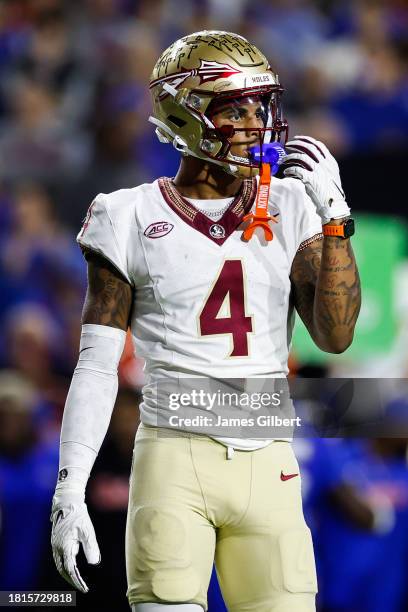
(310, 161)
(71, 526)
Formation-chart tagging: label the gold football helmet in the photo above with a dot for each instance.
(201, 70)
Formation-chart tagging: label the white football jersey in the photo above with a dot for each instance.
(206, 302)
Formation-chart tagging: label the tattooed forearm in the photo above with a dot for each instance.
(338, 293)
(109, 296)
(326, 292)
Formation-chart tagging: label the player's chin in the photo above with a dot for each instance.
(244, 171)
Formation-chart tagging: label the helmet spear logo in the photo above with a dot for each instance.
(208, 71)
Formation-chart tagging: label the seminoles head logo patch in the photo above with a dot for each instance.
(62, 475)
(158, 229)
(217, 231)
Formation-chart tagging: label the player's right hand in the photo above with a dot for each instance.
(71, 526)
(310, 161)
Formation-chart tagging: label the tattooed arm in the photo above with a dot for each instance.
(326, 292)
(109, 296)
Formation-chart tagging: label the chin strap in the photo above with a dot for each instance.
(261, 218)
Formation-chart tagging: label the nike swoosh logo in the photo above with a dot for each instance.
(338, 188)
(285, 477)
(59, 516)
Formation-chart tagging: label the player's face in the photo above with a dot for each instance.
(246, 114)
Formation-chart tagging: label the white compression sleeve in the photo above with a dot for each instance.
(89, 405)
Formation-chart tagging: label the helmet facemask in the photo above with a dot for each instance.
(228, 114)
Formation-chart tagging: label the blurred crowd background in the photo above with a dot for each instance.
(74, 105)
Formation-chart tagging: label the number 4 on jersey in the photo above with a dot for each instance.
(229, 289)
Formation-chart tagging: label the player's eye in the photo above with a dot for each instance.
(261, 114)
(235, 114)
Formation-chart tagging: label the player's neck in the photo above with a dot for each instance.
(199, 180)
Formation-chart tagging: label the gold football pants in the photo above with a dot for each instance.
(189, 504)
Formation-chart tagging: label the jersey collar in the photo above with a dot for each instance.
(217, 231)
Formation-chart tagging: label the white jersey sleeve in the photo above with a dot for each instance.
(100, 233)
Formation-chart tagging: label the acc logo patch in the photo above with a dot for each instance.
(158, 229)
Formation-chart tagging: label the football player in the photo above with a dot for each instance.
(204, 297)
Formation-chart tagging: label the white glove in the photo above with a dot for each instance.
(71, 526)
(310, 161)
